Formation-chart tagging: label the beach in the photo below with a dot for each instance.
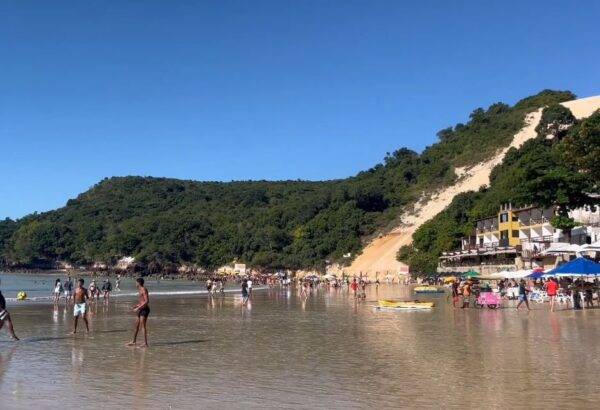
(281, 351)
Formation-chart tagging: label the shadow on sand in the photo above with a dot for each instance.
(179, 342)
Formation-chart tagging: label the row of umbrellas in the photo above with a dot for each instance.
(560, 247)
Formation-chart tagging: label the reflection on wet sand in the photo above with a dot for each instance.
(323, 349)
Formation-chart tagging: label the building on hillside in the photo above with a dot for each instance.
(125, 262)
(233, 269)
(518, 238)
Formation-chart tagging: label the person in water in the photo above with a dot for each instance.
(58, 289)
(245, 294)
(143, 311)
(5, 318)
(106, 289)
(80, 307)
(523, 291)
(68, 286)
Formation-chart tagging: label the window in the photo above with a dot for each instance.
(503, 218)
(503, 234)
(515, 234)
(515, 218)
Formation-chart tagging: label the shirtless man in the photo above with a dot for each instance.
(80, 308)
(143, 310)
(5, 317)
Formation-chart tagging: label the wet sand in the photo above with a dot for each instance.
(329, 352)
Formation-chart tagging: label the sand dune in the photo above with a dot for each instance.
(379, 257)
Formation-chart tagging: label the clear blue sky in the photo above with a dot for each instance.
(223, 90)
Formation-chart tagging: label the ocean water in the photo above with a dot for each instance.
(39, 287)
(326, 352)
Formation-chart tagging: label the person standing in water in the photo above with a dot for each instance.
(552, 289)
(58, 289)
(80, 307)
(106, 289)
(5, 318)
(245, 294)
(68, 286)
(523, 291)
(249, 284)
(143, 311)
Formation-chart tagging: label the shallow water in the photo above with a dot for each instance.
(281, 352)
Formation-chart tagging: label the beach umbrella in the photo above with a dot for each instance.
(577, 267)
(470, 274)
(536, 273)
(591, 247)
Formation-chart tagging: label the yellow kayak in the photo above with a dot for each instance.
(397, 304)
(429, 289)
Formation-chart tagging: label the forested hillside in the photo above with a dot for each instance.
(559, 167)
(286, 224)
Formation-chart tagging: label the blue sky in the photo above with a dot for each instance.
(230, 90)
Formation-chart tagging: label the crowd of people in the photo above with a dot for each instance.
(577, 293)
(76, 294)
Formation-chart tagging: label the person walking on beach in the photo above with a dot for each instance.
(552, 290)
(143, 311)
(354, 286)
(523, 291)
(58, 290)
(455, 285)
(466, 291)
(68, 286)
(249, 283)
(106, 289)
(80, 307)
(245, 295)
(5, 318)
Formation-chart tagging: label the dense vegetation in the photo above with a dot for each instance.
(287, 224)
(561, 171)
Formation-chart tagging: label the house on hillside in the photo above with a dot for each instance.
(519, 238)
(125, 262)
(233, 269)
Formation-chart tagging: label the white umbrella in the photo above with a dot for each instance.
(591, 247)
(562, 247)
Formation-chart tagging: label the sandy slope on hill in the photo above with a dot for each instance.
(379, 257)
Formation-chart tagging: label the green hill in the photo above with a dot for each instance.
(562, 171)
(283, 224)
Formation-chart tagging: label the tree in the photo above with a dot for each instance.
(581, 148)
(556, 120)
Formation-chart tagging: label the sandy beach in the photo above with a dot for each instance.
(328, 351)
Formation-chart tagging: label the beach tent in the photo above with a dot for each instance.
(577, 267)
(470, 274)
(562, 247)
(510, 274)
(591, 247)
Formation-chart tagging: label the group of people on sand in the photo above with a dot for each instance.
(469, 289)
(94, 291)
(81, 296)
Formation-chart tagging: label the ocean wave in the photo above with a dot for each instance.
(132, 294)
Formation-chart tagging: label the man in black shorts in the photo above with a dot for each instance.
(5, 318)
(143, 311)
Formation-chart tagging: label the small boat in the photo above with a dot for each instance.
(429, 289)
(398, 304)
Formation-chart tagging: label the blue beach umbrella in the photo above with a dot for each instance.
(577, 267)
(536, 274)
